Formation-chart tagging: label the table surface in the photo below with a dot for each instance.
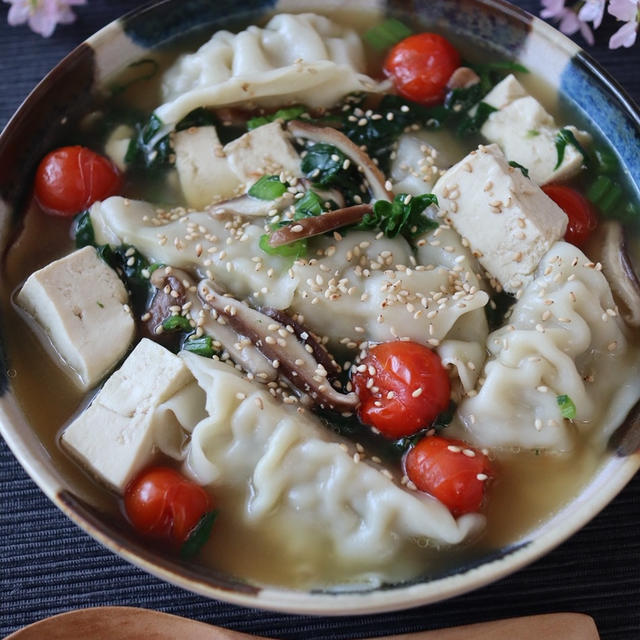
(48, 565)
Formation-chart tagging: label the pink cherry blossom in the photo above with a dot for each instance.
(628, 11)
(592, 11)
(568, 18)
(42, 15)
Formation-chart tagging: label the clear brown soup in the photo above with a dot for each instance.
(529, 488)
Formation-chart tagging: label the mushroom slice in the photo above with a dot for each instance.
(290, 357)
(246, 355)
(463, 78)
(318, 351)
(317, 225)
(607, 246)
(328, 135)
(251, 207)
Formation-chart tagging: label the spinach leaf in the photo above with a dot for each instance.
(563, 138)
(149, 148)
(199, 117)
(403, 215)
(177, 323)
(145, 70)
(326, 166)
(517, 165)
(471, 124)
(83, 230)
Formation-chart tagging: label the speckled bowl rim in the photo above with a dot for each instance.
(611, 478)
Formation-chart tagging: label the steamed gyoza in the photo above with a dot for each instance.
(352, 315)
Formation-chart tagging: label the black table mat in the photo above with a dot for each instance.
(48, 565)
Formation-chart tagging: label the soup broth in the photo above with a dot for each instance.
(529, 486)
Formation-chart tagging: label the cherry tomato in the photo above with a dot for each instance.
(421, 66)
(164, 505)
(581, 213)
(409, 388)
(450, 471)
(71, 179)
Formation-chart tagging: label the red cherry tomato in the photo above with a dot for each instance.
(581, 213)
(450, 471)
(164, 505)
(71, 179)
(409, 388)
(421, 66)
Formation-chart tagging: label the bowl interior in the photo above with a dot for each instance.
(64, 96)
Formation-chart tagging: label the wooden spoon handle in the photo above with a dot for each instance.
(129, 623)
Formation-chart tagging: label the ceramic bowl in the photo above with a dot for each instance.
(494, 25)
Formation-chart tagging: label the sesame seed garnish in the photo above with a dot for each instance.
(482, 477)
(454, 449)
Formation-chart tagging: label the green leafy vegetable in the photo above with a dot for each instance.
(268, 188)
(517, 165)
(176, 323)
(83, 230)
(199, 117)
(563, 138)
(202, 346)
(289, 113)
(471, 124)
(567, 408)
(150, 147)
(325, 165)
(403, 215)
(145, 70)
(199, 535)
(100, 304)
(384, 35)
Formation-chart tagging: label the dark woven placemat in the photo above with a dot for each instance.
(48, 565)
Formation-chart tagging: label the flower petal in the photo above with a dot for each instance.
(625, 36)
(18, 13)
(592, 11)
(623, 9)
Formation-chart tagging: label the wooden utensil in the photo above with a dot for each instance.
(130, 623)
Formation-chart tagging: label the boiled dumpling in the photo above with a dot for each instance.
(564, 338)
(291, 474)
(302, 58)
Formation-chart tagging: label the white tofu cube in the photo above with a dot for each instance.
(265, 150)
(203, 169)
(507, 219)
(527, 133)
(81, 304)
(116, 437)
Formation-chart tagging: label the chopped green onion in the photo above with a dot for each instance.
(268, 188)
(290, 113)
(201, 346)
(532, 133)
(383, 36)
(606, 161)
(100, 304)
(567, 408)
(309, 205)
(599, 188)
(199, 535)
(176, 322)
(291, 250)
(611, 199)
(517, 165)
